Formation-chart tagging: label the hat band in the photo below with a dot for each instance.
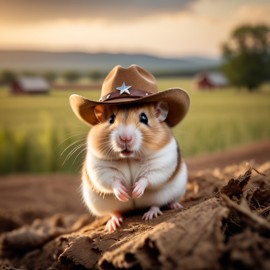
(134, 93)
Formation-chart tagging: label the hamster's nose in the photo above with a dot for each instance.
(125, 138)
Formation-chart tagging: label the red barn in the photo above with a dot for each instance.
(30, 85)
(210, 80)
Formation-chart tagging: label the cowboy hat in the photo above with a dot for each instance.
(129, 86)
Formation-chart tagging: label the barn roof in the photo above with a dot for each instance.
(217, 78)
(33, 83)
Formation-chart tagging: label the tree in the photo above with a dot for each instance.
(95, 75)
(71, 75)
(29, 73)
(247, 56)
(7, 77)
(50, 76)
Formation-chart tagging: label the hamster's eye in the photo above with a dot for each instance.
(143, 118)
(112, 118)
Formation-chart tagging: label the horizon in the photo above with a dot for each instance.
(40, 50)
(174, 29)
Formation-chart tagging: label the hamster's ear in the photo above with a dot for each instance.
(103, 112)
(161, 111)
(100, 113)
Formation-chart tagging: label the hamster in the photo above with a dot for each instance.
(133, 161)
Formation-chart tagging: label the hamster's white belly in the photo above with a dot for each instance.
(101, 205)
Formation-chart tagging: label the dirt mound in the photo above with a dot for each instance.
(225, 225)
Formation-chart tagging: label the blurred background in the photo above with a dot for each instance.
(218, 51)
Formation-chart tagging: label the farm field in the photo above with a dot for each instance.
(41, 134)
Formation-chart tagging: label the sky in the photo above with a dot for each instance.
(166, 28)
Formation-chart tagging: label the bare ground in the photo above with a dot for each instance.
(225, 223)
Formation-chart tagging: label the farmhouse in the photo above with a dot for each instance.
(30, 85)
(210, 80)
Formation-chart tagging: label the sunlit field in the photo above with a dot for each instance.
(41, 134)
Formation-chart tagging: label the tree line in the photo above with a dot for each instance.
(7, 76)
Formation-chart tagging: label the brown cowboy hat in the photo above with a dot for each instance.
(128, 86)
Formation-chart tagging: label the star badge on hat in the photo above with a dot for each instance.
(123, 88)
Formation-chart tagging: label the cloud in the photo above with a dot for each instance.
(260, 14)
(166, 36)
(29, 11)
(160, 27)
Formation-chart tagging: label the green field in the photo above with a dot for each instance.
(36, 130)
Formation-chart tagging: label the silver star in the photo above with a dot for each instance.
(123, 88)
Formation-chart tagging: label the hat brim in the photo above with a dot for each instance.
(177, 99)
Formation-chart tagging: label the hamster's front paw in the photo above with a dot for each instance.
(120, 191)
(139, 187)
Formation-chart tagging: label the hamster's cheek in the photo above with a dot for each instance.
(97, 141)
(138, 139)
(155, 137)
(114, 141)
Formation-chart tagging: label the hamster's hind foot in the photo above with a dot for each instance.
(113, 223)
(175, 205)
(153, 212)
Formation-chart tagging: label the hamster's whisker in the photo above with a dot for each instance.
(108, 150)
(139, 153)
(84, 149)
(73, 152)
(68, 138)
(78, 141)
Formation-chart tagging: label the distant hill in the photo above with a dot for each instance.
(18, 60)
